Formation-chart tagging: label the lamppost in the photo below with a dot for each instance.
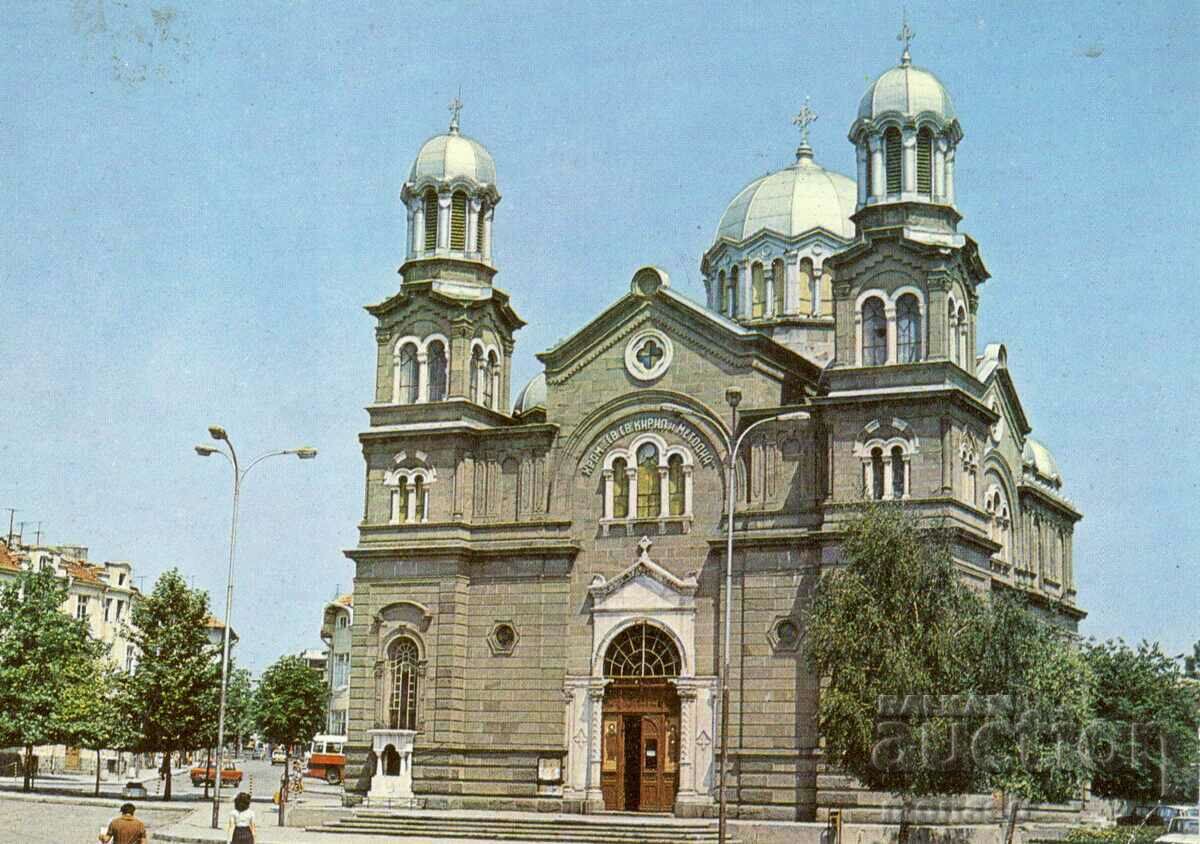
(733, 396)
(239, 474)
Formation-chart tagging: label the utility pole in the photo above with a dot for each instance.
(38, 534)
(12, 511)
(21, 531)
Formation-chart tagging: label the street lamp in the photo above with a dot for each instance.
(239, 474)
(733, 397)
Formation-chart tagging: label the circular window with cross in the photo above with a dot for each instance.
(648, 355)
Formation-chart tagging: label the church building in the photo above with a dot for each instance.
(540, 573)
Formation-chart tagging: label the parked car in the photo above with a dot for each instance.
(278, 756)
(1181, 830)
(230, 776)
(134, 790)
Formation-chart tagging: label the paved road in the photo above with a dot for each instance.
(259, 779)
(58, 823)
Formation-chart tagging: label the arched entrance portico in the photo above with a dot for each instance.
(639, 769)
(640, 726)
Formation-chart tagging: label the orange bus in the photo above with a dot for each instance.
(325, 758)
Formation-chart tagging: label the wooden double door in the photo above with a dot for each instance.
(639, 770)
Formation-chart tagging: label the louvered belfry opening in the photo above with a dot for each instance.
(642, 650)
(431, 220)
(479, 231)
(892, 152)
(458, 222)
(925, 162)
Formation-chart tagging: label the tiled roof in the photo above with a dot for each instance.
(214, 623)
(83, 572)
(346, 600)
(7, 561)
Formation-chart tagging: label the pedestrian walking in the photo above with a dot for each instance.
(125, 828)
(241, 821)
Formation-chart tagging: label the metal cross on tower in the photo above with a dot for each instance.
(906, 36)
(805, 118)
(456, 106)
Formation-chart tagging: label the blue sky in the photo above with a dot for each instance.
(196, 200)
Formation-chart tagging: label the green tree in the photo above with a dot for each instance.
(290, 709)
(90, 713)
(932, 688)
(1146, 735)
(36, 640)
(239, 707)
(170, 696)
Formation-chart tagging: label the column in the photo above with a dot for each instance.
(664, 492)
(595, 695)
(745, 294)
(908, 158)
(608, 493)
(947, 458)
(950, 176)
(418, 227)
(939, 170)
(858, 329)
(769, 276)
(887, 476)
(487, 234)
(889, 314)
(473, 206)
(791, 263)
(422, 376)
(631, 480)
(877, 175)
(443, 232)
(862, 153)
(411, 242)
(687, 490)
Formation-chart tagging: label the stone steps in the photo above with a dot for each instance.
(609, 829)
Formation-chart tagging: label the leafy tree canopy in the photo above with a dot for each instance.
(290, 703)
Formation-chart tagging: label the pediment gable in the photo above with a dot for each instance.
(644, 587)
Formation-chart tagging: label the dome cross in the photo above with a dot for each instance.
(805, 118)
(906, 36)
(456, 106)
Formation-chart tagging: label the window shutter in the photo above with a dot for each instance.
(458, 222)
(431, 220)
(925, 162)
(892, 164)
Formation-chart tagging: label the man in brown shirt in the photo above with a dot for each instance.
(125, 829)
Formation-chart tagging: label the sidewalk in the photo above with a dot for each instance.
(65, 788)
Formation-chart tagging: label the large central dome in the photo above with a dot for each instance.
(792, 201)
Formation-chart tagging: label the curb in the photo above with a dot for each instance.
(89, 800)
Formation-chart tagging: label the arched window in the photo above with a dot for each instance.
(403, 658)
(804, 281)
(480, 230)
(721, 305)
(437, 370)
(874, 333)
(733, 292)
(419, 494)
(676, 486)
(407, 374)
(476, 371)
(925, 162)
(877, 473)
(899, 487)
(649, 491)
(892, 152)
(869, 192)
(458, 221)
(431, 220)
(908, 329)
(1000, 524)
(779, 277)
(620, 482)
(758, 291)
(491, 374)
(642, 650)
(400, 502)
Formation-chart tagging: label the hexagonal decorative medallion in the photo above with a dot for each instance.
(503, 638)
(786, 634)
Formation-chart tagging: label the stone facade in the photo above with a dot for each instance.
(510, 554)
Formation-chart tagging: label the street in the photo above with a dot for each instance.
(59, 823)
(260, 779)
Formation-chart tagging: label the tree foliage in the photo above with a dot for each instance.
(37, 640)
(290, 702)
(90, 712)
(1147, 746)
(934, 688)
(171, 695)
